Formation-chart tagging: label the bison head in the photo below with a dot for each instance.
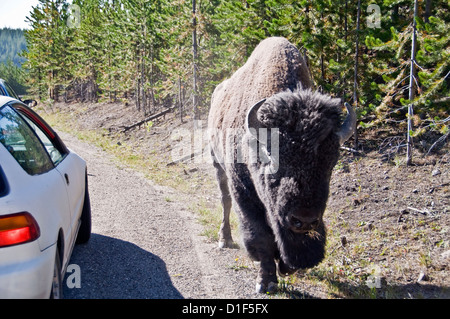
(294, 163)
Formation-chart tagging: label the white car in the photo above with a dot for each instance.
(44, 204)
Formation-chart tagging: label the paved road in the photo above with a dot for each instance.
(143, 246)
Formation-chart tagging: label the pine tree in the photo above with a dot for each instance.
(15, 76)
(241, 28)
(46, 48)
(433, 59)
(392, 64)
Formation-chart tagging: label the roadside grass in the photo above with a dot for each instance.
(127, 154)
(210, 216)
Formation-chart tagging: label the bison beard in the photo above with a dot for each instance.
(298, 251)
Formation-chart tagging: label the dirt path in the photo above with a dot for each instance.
(146, 244)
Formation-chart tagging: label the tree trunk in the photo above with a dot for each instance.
(143, 80)
(322, 67)
(345, 21)
(143, 71)
(180, 101)
(427, 11)
(411, 88)
(152, 101)
(355, 77)
(194, 55)
(138, 83)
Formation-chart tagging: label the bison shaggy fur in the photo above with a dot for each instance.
(280, 197)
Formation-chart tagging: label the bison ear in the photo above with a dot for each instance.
(252, 124)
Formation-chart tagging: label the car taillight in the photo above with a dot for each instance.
(18, 229)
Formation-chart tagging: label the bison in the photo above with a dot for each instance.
(288, 137)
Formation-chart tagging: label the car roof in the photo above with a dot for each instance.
(34, 117)
(7, 99)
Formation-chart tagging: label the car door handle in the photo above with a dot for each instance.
(67, 178)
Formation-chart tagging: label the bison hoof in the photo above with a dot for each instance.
(272, 287)
(225, 244)
(284, 270)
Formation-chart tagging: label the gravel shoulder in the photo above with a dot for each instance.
(145, 242)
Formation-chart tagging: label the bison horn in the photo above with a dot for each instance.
(252, 123)
(348, 127)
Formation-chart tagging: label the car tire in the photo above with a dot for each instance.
(56, 291)
(84, 233)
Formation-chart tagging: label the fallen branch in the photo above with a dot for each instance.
(150, 118)
(352, 150)
(423, 211)
(432, 189)
(186, 158)
(441, 139)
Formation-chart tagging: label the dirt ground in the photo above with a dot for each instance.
(388, 224)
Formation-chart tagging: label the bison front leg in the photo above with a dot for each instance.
(261, 247)
(256, 234)
(267, 280)
(225, 239)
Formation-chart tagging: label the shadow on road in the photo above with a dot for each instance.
(113, 268)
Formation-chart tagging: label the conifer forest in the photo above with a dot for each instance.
(389, 58)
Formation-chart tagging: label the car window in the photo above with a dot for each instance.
(10, 91)
(3, 185)
(54, 153)
(5, 89)
(23, 144)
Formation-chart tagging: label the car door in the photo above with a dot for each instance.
(73, 171)
(70, 167)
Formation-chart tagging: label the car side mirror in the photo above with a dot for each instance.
(30, 103)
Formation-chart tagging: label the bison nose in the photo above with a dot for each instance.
(303, 224)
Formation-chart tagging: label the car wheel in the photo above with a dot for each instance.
(84, 233)
(57, 287)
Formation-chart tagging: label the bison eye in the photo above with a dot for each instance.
(296, 222)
